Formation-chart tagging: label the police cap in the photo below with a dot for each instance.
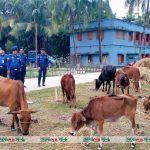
(14, 48)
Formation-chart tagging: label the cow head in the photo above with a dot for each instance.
(146, 104)
(25, 120)
(97, 84)
(121, 80)
(77, 121)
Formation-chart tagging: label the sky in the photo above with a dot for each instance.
(117, 7)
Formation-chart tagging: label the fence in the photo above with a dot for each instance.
(32, 71)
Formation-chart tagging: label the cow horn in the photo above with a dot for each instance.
(13, 112)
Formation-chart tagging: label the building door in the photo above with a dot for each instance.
(120, 59)
(104, 59)
(90, 59)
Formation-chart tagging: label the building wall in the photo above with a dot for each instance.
(111, 45)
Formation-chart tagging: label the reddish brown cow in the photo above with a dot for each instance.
(68, 89)
(133, 74)
(121, 81)
(105, 108)
(146, 104)
(12, 95)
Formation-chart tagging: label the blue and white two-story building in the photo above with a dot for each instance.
(121, 43)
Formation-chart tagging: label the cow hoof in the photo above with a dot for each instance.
(13, 129)
(99, 148)
(19, 130)
(132, 145)
(87, 144)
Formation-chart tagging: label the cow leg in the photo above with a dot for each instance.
(106, 87)
(113, 86)
(103, 86)
(100, 124)
(109, 87)
(122, 90)
(134, 128)
(13, 123)
(17, 122)
(93, 131)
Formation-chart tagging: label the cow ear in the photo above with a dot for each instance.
(31, 111)
(14, 112)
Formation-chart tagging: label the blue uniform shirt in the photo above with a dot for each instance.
(3, 60)
(23, 58)
(13, 62)
(42, 60)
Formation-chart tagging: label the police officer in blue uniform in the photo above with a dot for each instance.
(14, 64)
(42, 62)
(23, 58)
(3, 63)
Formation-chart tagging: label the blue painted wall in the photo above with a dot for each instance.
(111, 46)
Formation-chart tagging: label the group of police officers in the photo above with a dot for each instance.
(14, 64)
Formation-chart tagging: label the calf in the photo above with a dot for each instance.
(68, 89)
(133, 74)
(121, 81)
(107, 75)
(146, 104)
(105, 108)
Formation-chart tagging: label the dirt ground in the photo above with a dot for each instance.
(54, 120)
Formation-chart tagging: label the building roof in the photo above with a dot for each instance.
(109, 24)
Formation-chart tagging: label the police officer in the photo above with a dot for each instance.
(23, 58)
(14, 64)
(3, 63)
(42, 62)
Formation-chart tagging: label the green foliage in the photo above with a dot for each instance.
(54, 19)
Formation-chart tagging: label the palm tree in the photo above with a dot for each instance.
(145, 11)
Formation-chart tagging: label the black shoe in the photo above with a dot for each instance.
(43, 84)
(39, 85)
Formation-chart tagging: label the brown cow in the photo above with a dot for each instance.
(121, 81)
(146, 104)
(12, 95)
(68, 89)
(133, 74)
(105, 108)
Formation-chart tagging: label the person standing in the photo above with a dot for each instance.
(14, 64)
(3, 63)
(42, 62)
(23, 58)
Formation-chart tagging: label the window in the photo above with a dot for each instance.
(117, 34)
(137, 36)
(102, 35)
(140, 38)
(79, 36)
(134, 36)
(104, 59)
(120, 58)
(90, 35)
(90, 59)
(147, 37)
(123, 35)
(130, 36)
